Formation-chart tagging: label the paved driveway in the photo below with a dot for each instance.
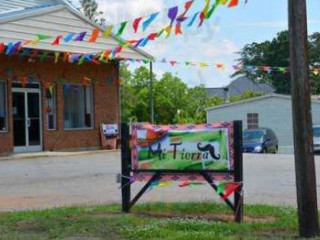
(91, 179)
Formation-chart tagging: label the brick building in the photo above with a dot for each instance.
(47, 103)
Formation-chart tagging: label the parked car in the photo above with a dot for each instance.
(260, 140)
(316, 138)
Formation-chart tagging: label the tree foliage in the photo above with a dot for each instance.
(90, 9)
(275, 53)
(174, 102)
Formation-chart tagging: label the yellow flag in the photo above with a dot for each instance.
(203, 65)
(206, 7)
(168, 31)
(108, 31)
(224, 2)
(56, 57)
(51, 90)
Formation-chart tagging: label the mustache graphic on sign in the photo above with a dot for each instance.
(209, 148)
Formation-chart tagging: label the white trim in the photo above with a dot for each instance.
(28, 148)
(7, 108)
(19, 15)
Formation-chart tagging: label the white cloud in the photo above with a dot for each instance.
(121, 10)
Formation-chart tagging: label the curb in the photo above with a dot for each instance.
(54, 154)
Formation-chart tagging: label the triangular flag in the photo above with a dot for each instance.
(152, 36)
(206, 7)
(95, 34)
(2, 47)
(69, 37)
(233, 3)
(136, 23)
(220, 188)
(202, 16)
(173, 63)
(187, 6)
(203, 65)
(24, 81)
(172, 14)
(144, 42)
(9, 48)
(168, 31)
(42, 37)
(121, 29)
(56, 57)
(146, 23)
(230, 190)
(51, 89)
(212, 9)
(193, 19)
(178, 28)
(57, 40)
(80, 37)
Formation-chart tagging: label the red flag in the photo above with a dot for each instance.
(57, 40)
(233, 3)
(24, 81)
(173, 63)
(136, 23)
(95, 34)
(152, 36)
(2, 47)
(230, 189)
(202, 16)
(178, 28)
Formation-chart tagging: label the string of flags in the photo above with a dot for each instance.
(224, 189)
(9, 75)
(176, 20)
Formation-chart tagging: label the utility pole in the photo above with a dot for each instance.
(302, 120)
(151, 94)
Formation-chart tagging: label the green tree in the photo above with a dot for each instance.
(170, 97)
(90, 9)
(273, 53)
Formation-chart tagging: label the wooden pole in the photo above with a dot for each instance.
(238, 156)
(125, 168)
(151, 94)
(302, 120)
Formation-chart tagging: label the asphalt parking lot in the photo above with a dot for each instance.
(46, 182)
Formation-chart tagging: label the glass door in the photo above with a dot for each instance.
(26, 120)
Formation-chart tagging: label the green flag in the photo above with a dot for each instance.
(42, 37)
(122, 27)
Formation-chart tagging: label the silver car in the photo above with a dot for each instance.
(316, 138)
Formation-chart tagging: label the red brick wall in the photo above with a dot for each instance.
(105, 95)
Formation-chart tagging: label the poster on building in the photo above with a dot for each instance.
(182, 147)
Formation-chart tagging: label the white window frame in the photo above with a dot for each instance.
(56, 111)
(92, 105)
(6, 106)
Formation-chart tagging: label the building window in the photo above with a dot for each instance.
(78, 107)
(253, 120)
(3, 107)
(51, 110)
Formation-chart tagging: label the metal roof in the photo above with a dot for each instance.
(12, 10)
(273, 95)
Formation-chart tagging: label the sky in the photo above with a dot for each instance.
(218, 41)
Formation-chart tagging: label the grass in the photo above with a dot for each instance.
(172, 221)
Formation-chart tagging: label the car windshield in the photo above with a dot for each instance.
(316, 131)
(252, 136)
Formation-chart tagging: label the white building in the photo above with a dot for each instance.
(272, 111)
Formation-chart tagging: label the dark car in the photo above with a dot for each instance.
(260, 140)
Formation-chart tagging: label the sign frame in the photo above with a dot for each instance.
(129, 170)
